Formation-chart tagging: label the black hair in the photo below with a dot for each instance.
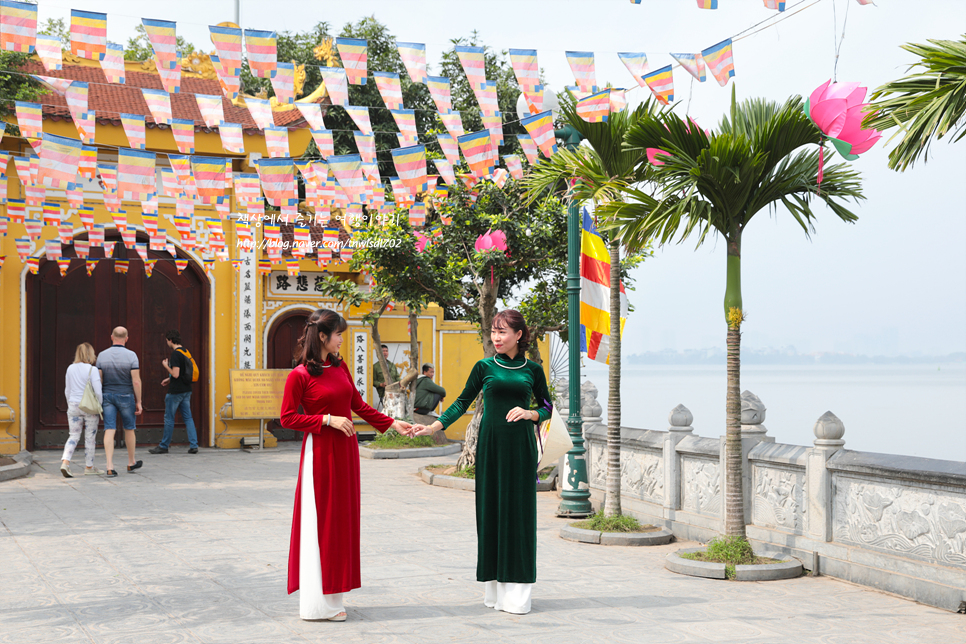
(309, 348)
(427, 367)
(173, 335)
(512, 319)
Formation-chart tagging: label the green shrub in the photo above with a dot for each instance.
(601, 523)
(393, 440)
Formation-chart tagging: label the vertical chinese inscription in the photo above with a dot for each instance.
(360, 369)
(246, 309)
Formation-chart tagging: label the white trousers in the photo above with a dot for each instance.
(313, 603)
(508, 597)
(78, 422)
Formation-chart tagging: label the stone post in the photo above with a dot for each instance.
(680, 420)
(753, 431)
(591, 413)
(829, 431)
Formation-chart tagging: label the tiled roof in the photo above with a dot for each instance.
(109, 100)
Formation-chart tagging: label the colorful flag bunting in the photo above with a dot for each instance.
(336, 84)
(181, 264)
(231, 138)
(661, 82)
(453, 122)
(230, 85)
(184, 135)
(445, 169)
(414, 58)
(473, 63)
(618, 100)
(211, 109)
(159, 104)
(209, 174)
(29, 118)
(324, 142)
(82, 248)
(476, 149)
(121, 265)
(360, 116)
(595, 108)
(283, 82)
(440, 91)
(406, 122)
(494, 123)
(112, 64)
(348, 172)
(52, 214)
(171, 78)
(88, 34)
(692, 64)
(18, 26)
(59, 158)
(133, 125)
(486, 96)
(525, 68)
(49, 51)
(276, 140)
(719, 58)
(261, 111)
(410, 164)
(353, 52)
(277, 177)
(66, 234)
(390, 89)
(636, 64)
(312, 113)
(162, 34)
(228, 47)
(247, 189)
(540, 129)
(262, 48)
(514, 165)
(450, 148)
(582, 65)
(366, 144)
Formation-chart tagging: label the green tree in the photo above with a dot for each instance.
(715, 183)
(925, 105)
(16, 86)
(138, 47)
(57, 27)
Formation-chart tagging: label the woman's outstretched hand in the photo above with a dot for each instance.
(427, 430)
(343, 424)
(403, 428)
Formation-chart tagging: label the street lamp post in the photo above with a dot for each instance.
(574, 489)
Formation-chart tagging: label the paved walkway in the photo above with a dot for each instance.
(193, 549)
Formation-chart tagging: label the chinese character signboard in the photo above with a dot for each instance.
(360, 350)
(246, 309)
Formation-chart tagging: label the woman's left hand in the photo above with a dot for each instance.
(402, 427)
(519, 413)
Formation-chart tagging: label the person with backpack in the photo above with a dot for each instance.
(82, 375)
(182, 371)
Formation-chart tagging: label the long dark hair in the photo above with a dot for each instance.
(514, 320)
(309, 348)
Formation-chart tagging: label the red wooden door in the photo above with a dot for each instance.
(63, 312)
(283, 338)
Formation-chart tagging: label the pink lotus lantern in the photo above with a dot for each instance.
(421, 241)
(491, 240)
(837, 110)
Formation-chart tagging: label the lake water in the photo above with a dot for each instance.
(914, 410)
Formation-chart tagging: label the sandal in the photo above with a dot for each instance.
(338, 618)
(131, 468)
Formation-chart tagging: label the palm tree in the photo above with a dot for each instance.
(715, 183)
(600, 170)
(926, 105)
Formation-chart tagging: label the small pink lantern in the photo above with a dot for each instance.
(837, 110)
(491, 240)
(421, 241)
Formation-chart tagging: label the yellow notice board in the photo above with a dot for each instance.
(257, 393)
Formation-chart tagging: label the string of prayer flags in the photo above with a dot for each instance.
(91, 265)
(150, 221)
(23, 248)
(16, 210)
(247, 189)
(486, 97)
(82, 248)
(33, 265)
(439, 89)
(636, 64)
(63, 264)
(57, 85)
(500, 176)
(453, 122)
(159, 104)
(128, 236)
(525, 68)
(595, 108)
(182, 170)
(52, 249)
(261, 111)
(180, 264)
(535, 99)
(360, 116)
(618, 100)
(661, 82)
(262, 48)
(354, 55)
(211, 109)
(406, 122)
(264, 266)
(52, 214)
(414, 58)
(86, 214)
(410, 164)
(171, 78)
(88, 34)
(582, 65)
(230, 84)
(312, 113)
(59, 158)
(324, 142)
(133, 125)
(231, 138)
(184, 135)
(228, 46)
(348, 172)
(170, 186)
(74, 193)
(476, 149)
(277, 177)
(96, 237)
(707, 4)
(66, 234)
(473, 63)
(209, 173)
(237, 264)
(149, 267)
(283, 82)
(276, 141)
(30, 120)
(389, 89)
(49, 51)
(445, 169)
(162, 34)
(514, 165)
(692, 64)
(449, 146)
(336, 84)
(292, 266)
(366, 144)
(88, 162)
(209, 264)
(112, 63)
(720, 60)
(494, 123)
(158, 241)
(34, 228)
(540, 128)
(142, 250)
(18, 26)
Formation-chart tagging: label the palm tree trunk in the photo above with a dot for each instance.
(734, 496)
(612, 502)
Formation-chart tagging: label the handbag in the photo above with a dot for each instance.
(553, 440)
(88, 402)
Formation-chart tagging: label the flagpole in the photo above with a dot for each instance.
(574, 491)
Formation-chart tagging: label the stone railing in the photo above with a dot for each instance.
(895, 523)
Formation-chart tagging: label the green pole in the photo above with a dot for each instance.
(574, 489)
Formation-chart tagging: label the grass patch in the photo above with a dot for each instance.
(393, 440)
(451, 470)
(623, 523)
(545, 473)
(731, 551)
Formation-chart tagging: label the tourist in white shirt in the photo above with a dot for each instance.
(78, 374)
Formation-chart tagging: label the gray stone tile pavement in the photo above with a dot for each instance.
(193, 549)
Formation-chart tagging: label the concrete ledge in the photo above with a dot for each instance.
(21, 468)
(579, 535)
(441, 480)
(768, 572)
(683, 566)
(656, 538)
(414, 452)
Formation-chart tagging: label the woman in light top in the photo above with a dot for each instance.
(78, 374)
(506, 462)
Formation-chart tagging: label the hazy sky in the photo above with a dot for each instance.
(894, 282)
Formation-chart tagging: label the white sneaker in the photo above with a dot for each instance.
(65, 470)
(92, 471)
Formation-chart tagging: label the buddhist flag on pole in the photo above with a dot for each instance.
(262, 48)
(540, 128)
(18, 26)
(59, 158)
(88, 34)
(530, 149)
(440, 91)
(162, 34)
(112, 63)
(159, 104)
(476, 149)
(336, 84)
(134, 130)
(692, 64)
(636, 64)
(719, 58)
(410, 165)
(582, 65)
(389, 89)
(524, 62)
(406, 122)
(449, 146)
(49, 51)
(474, 64)
(354, 54)
(661, 83)
(414, 58)
(228, 46)
(595, 294)
(211, 110)
(595, 108)
(283, 82)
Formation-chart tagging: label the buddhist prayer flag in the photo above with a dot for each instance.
(514, 165)
(445, 169)
(312, 113)
(692, 64)
(88, 34)
(406, 122)
(324, 142)
(159, 104)
(163, 38)
(121, 265)
(440, 91)
(486, 96)
(476, 149)
(66, 234)
(336, 84)
(720, 60)
(211, 109)
(18, 26)
(170, 186)
(277, 177)
(530, 149)
(29, 119)
(366, 143)
(209, 173)
(16, 210)
(180, 264)
(113, 63)
(582, 65)
(474, 64)
(182, 170)
(231, 138)
(283, 82)
(360, 116)
(184, 135)
(91, 265)
(389, 89)
(353, 52)
(247, 189)
(86, 214)
(780, 5)
(707, 4)
(142, 250)
(594, 108)
(525, 68)
(540, 129)
(276, 140)
(52, 214)
(494, 123)
(23, 248)
(49, 51)
(150, 221)
(348, 172)
(128, 236)
(261, 111)
(133, 125)
(414, 58)
(59, 158)
(453, 123)
(450, 148)
(34, 228)
(228, 46)
(63, 263)
(262, 48)
(618, 100)
(171, 78)
(149, 266)
(82, 247)
(57, 85)
(33, 265)
(411, 164)
(636, 64)
(230, 85)
(661, 83)
(595, 294)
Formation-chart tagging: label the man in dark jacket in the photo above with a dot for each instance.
(428, 393)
